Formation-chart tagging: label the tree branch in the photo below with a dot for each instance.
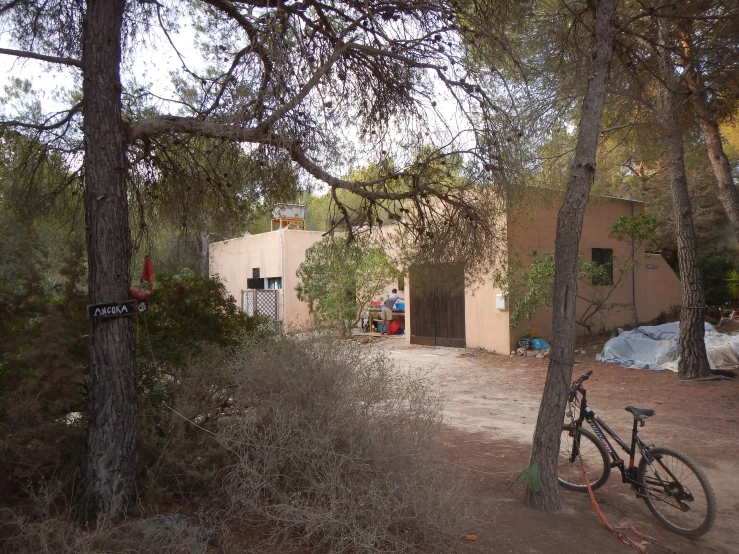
(169, 124)
(45, 126)
(42, 57)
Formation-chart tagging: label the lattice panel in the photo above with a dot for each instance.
(248, 302)
(262, 302)
(267, 302)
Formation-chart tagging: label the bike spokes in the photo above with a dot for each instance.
(677, 492)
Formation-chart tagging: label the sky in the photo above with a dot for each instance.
(152, 67)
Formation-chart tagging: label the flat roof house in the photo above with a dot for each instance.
(479, 316)
(260, 272)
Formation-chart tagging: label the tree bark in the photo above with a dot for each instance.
(693, 358)
(545, 449)
(107, 469)
(727, 192)
(203, 248)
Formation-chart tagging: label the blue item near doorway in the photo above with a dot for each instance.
(381, 327)
(539, 344)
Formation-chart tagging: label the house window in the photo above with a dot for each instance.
(274, 282)
(604, 258)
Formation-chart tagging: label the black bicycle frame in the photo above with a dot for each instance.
(628, 475)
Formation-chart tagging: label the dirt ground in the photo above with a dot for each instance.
(490, 413)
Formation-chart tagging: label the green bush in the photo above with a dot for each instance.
(187, 312)
(43, 357)
(714, 267)
(339, 278)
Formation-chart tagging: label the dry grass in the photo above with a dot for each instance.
(45, 528)
(321, 440)
(334, 446)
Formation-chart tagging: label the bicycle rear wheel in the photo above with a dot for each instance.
(677, 492)
(579, 447)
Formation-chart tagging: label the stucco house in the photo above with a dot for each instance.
(260, 272)
(480, 316)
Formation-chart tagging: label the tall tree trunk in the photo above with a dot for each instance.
(203, 247)
(727, 192)
(693, 359)
(545, 449)
(107, 470)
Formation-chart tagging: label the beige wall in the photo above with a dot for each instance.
(660, 287)
(534, 228)
(276, 254)
(485, 325)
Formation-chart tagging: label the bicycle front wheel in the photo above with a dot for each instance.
(579, 447)
(677, 492)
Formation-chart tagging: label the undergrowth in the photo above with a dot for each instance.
(320, 439)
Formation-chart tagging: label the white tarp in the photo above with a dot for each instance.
(657, 348)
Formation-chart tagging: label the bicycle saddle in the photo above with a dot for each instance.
(639, 414)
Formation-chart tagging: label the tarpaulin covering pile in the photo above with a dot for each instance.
(656, 347)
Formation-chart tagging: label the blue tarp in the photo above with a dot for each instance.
(648, 347)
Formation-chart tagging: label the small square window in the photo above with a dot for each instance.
(604, 258)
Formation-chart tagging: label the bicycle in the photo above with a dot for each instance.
(674, 488)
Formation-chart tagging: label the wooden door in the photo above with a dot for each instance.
(423, 315)
(437, 313)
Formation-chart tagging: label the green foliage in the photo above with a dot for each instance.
(714, 266)
(186, 312)
(184, 341)
(732, 283)
(531, 476)
(339, 278)
(532, 288)
(640, 227)
(43, 351)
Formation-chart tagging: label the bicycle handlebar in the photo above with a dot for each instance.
(584, 376)
(576, 384)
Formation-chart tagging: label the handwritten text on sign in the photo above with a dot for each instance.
(116, 309)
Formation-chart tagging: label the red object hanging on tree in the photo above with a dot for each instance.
(147, 274)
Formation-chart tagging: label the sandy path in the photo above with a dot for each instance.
(497, 398)
(478, 398)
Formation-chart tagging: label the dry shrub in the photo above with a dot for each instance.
(335, 447)
(46, 528)
(322, 439)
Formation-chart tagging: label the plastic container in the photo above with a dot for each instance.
(400, 305)
(375, 304)
(393, 327)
